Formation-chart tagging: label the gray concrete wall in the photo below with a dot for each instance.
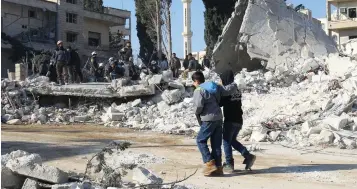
(270, 31)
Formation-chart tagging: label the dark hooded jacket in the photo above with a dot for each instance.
(232, 105)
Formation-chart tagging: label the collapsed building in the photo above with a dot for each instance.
(271, 32)
(294, 87)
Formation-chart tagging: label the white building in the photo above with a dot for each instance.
(187, 33)
(342, 24)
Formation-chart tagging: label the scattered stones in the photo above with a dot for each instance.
(9, 179)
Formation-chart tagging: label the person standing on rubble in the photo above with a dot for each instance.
(94, 66)
(164, 65)
(61, 60)
(193, 64)
(128, 52)
(206, 63)
(233, 122)
(185, 62)
(74, 65)
(175, 65)
(206, 98)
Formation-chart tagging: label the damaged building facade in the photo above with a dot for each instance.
(271, 32)
(40, 23)
(341, 24)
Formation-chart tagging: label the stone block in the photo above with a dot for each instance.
(325, 137)
(81, 118)
(14, 122)
(116, 116)
(30, 184)
(155, 79)
(259, 135)
(172, 96)
(306, 126)
(336, 123)
(136, 103)
(274, 135)
(314, 130)
(144, 177)
(41, 172)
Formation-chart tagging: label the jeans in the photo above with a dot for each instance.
(212, 130)
(230, 133)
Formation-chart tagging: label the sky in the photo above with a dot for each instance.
(317, 7)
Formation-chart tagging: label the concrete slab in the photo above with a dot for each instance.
(93, 90)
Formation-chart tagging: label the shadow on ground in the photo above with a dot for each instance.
(305, 168)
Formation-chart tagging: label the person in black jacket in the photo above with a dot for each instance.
(61, 58)
(233, 122)
(186, 62)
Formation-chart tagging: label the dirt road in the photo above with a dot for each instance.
(69, 147)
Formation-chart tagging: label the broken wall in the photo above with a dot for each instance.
(268, 30)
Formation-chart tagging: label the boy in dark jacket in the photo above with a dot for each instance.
(206, 98)
(233, 121)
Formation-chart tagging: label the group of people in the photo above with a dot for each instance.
(65, 66)
(208, 98)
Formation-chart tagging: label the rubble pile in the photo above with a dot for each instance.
(20, 108)
(320, 110)
(20, 169)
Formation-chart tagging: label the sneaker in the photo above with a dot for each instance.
(249, 161)
(228, 167)
(210, 167)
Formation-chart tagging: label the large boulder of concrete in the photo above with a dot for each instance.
(269, 30)
(10, 179)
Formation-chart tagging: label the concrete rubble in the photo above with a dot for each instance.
(20, 168)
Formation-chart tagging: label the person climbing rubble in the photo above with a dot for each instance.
(206, 98)
(175, 65)
(93, 66)
(233, 122)
(61, 60)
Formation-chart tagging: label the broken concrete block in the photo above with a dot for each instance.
(176, 85)
(116, 116)
(325, 137)
(14, 122)
(27, 160)
(155, 79)
(167, 76)
(81, 118)
(9, 179)
(7, 117)
(314, 130)
(41, 172)
(306, 126)
(258, 135)
(30, 184)
(335, 122)
(310, 65)
(144, 177)
(136, 103)
(350, 144)
(172, 96)
(274, 135)
(163, 107)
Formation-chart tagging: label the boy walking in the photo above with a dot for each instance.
(233, 121)
(206, 98)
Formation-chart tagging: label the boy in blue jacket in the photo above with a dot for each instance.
(206, 98)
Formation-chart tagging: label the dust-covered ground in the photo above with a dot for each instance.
(173, 157)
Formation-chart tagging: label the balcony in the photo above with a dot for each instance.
(111, 20)
(342, 24)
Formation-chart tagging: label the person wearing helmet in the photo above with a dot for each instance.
(94, 65)
(128, 52)
(114, 71)
(61, 58)
(100, 72)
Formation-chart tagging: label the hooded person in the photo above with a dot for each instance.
(206, 99)
(233, 122)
